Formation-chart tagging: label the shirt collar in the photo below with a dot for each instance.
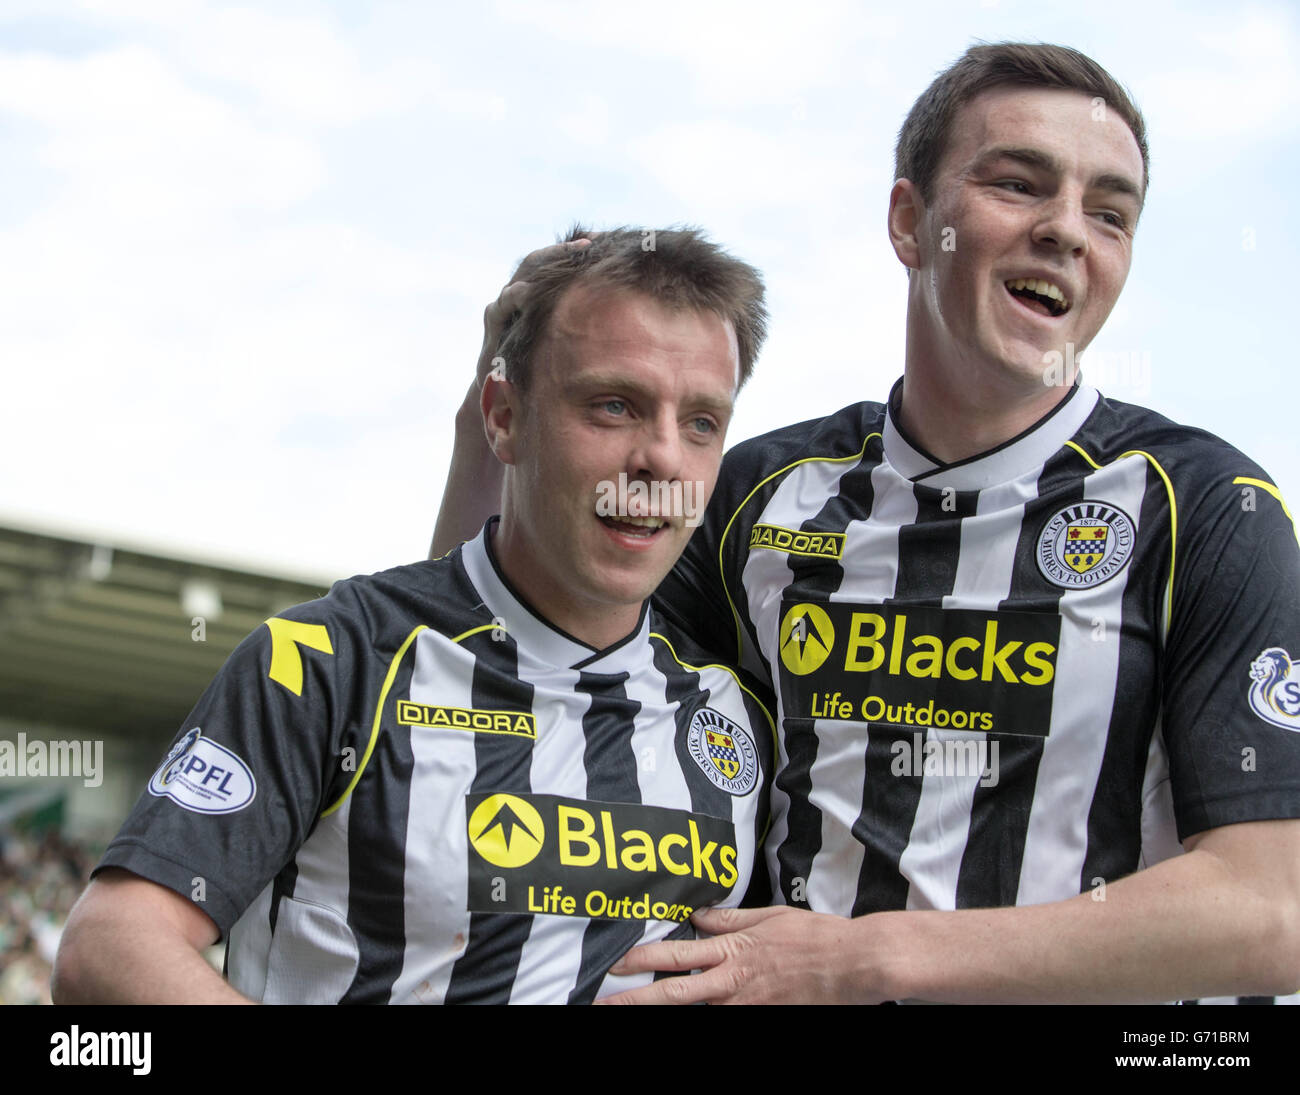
(1008, 461)
(535, 634)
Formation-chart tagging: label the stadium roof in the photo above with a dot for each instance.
(98, 635)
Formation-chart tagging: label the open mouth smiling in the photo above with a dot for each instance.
(635, 526)
(1043, 297)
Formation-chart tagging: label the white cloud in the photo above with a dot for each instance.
(140, 145)
(720, 164)
(1242, 83)
(737, 51)
(589, 124)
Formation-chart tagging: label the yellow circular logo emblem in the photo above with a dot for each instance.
(506, 831)
(806, 638)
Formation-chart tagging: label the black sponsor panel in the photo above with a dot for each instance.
(605, 860)
(914, 666)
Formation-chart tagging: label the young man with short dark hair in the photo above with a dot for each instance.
(1080, 591)
(1029, 644)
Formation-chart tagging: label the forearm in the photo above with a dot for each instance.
(473, 490)
(134, 963)
(1221, 920)
(132, 941)
(1184, 928)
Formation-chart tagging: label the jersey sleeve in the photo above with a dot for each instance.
(1230, 692)
(692, 595)
(703, 594)
(261, 755)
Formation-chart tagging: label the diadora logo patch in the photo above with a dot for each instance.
(1084, 545)
(1275, 693)
(911, 665)
(723, 750)
(608, 860)
(203, 776)
(474, 719)
(819, 545)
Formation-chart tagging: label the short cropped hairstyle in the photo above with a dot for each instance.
(926, 132)
(678, 267)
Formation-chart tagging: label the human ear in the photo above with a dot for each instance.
(499, 402)
(906, 213)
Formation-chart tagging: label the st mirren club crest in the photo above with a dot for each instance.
(1085, 544)
(723, 751)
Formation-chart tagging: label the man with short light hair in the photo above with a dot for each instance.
(479, 779)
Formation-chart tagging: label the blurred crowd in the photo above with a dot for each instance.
(41, 876)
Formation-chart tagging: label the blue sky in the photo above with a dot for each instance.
(245, 249)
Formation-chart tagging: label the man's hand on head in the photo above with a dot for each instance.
(472, 491)
(509, 301)
(759, 956)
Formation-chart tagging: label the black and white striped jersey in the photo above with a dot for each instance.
(416, 790)
(1011, 679)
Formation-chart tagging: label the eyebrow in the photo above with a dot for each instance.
(1042, 161)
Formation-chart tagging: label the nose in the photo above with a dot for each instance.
(1063, 224)
(656, 453)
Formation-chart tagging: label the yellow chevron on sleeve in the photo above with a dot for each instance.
(286, 658)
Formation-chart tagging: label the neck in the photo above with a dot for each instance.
(598, 625)
(958, 408)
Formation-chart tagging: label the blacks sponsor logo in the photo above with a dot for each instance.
(477, 720)
(818, 545)
(606, 860)
(909, 666)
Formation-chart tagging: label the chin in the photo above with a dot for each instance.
(621, 591)
(1029, 361)
(634, 593)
